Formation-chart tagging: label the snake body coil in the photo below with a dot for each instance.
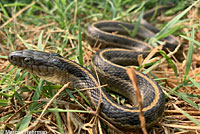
(109, 64)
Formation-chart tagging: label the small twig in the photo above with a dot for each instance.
(132, 75)
(41, 115)
(17, 14)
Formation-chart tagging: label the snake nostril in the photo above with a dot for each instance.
(11, 57)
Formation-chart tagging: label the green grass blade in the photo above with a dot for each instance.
(133, 32)
(4, 57)
(170, 62)
(187, 115)
(83, 96)
(25, 44)
(190, 39)
(178, 87)
(4, 102)
(189, 56)
(19, 98)
(196, 84)
(63, 110)
(6, 95)
(151, 67)
(36, 95)
(80, 51)
(58, 120)
(39, 45)
(70, 94)
(4, 11)
(37, 106)
(38, 91)
(137, 24)
(169, 32)
(185, 97)
(181, 6)
(17, 75)
(5, 117)
(15, 4)
(25, 122)
(113, 8)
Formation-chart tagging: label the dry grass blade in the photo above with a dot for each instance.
(181, 126)
(132, 76)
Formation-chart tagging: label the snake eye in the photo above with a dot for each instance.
(27, 60)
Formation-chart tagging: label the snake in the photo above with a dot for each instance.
(110, 64)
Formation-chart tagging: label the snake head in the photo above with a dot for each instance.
(42, 64)
(29, 59)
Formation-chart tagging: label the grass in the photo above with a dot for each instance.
(58, 26)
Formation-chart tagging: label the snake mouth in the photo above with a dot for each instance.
(16, 58)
